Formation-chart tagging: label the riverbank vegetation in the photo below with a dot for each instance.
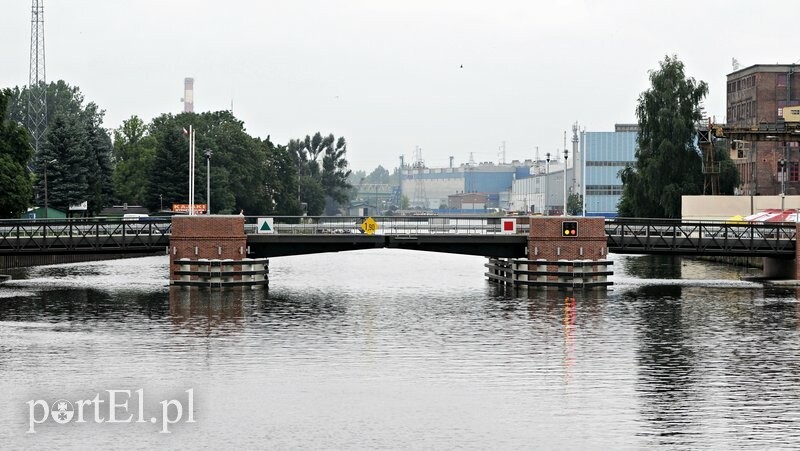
(146, 163)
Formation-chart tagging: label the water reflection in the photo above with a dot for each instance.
(666, 367)
(81, 306)
(652, 266)
(391, 350)
(207, 312)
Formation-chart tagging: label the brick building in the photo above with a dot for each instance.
(757, 95)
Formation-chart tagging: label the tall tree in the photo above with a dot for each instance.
(98, 160)
(134, 151)
(64, 158)
(67, 102)
(321, 183)
(168, 182)
(668, 164)
(282, 182)
(246, 173)
(15, 151)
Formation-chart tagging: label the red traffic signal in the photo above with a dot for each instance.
(569, 228)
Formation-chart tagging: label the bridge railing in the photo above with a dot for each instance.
(698, 236)
(80, 233)
(701, 229)
(387, 225)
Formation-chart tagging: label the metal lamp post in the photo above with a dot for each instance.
(208, 181)
(546, 177)
(566, 154)
(784, 169)
(46, 209)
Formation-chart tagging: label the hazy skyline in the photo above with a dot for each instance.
(452, 77)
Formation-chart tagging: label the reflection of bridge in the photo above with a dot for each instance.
(472, 235)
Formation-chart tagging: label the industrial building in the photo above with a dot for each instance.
(542, 192)
(537, 186)
(607, 153)
(595, 161)
(431, 188)
(761, 94)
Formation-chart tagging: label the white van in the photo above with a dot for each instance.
(133, 216)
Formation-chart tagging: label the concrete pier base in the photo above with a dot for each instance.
(570, 261)
(209, 251)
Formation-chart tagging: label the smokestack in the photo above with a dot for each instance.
(188, 95)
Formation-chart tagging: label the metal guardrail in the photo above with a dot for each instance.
(700, 237)
(83, 234)
(387, 225)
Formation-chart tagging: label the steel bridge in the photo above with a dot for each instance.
(473, 235)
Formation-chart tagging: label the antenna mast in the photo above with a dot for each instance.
(37, 82)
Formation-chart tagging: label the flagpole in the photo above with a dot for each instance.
(191, 171)
(193, 132)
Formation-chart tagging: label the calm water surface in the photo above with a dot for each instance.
(396, 349)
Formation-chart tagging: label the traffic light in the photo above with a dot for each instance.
(569, 228)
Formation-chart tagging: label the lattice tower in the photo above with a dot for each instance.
(37, 81)
(420, 194)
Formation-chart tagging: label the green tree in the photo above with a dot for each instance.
(168, 182)
(405, 203)
(15, 151)
(575, 204)
(378, 175)
(67, 102)
(323, 182)
(64, 155)
(237, 154)
(246, 173)
(282, 181)
(134, 151)
(668, 164)
(729, 177)
(98, 160)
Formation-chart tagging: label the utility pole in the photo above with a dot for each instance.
(566, 154)
(37, 82)
(208, 181)
(546, 178)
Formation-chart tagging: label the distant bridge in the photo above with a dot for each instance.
(471, 235)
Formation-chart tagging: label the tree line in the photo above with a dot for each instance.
(147, 163)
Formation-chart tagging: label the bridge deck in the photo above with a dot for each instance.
(472, 235)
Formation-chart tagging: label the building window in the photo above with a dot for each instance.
(794, 171)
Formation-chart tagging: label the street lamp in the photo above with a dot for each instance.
(161, 202)
(566, 154)
(782, 163)
(208, 181)
(45, 186)
(546, 177)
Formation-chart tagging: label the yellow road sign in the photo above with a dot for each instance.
(369, 226)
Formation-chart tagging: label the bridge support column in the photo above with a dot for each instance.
(212, 247)
(577, 260)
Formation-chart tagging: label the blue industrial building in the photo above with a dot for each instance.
(606, 154)
(429, 188)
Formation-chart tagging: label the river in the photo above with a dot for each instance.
(398, 349)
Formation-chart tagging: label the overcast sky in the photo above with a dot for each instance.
(388, 75)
